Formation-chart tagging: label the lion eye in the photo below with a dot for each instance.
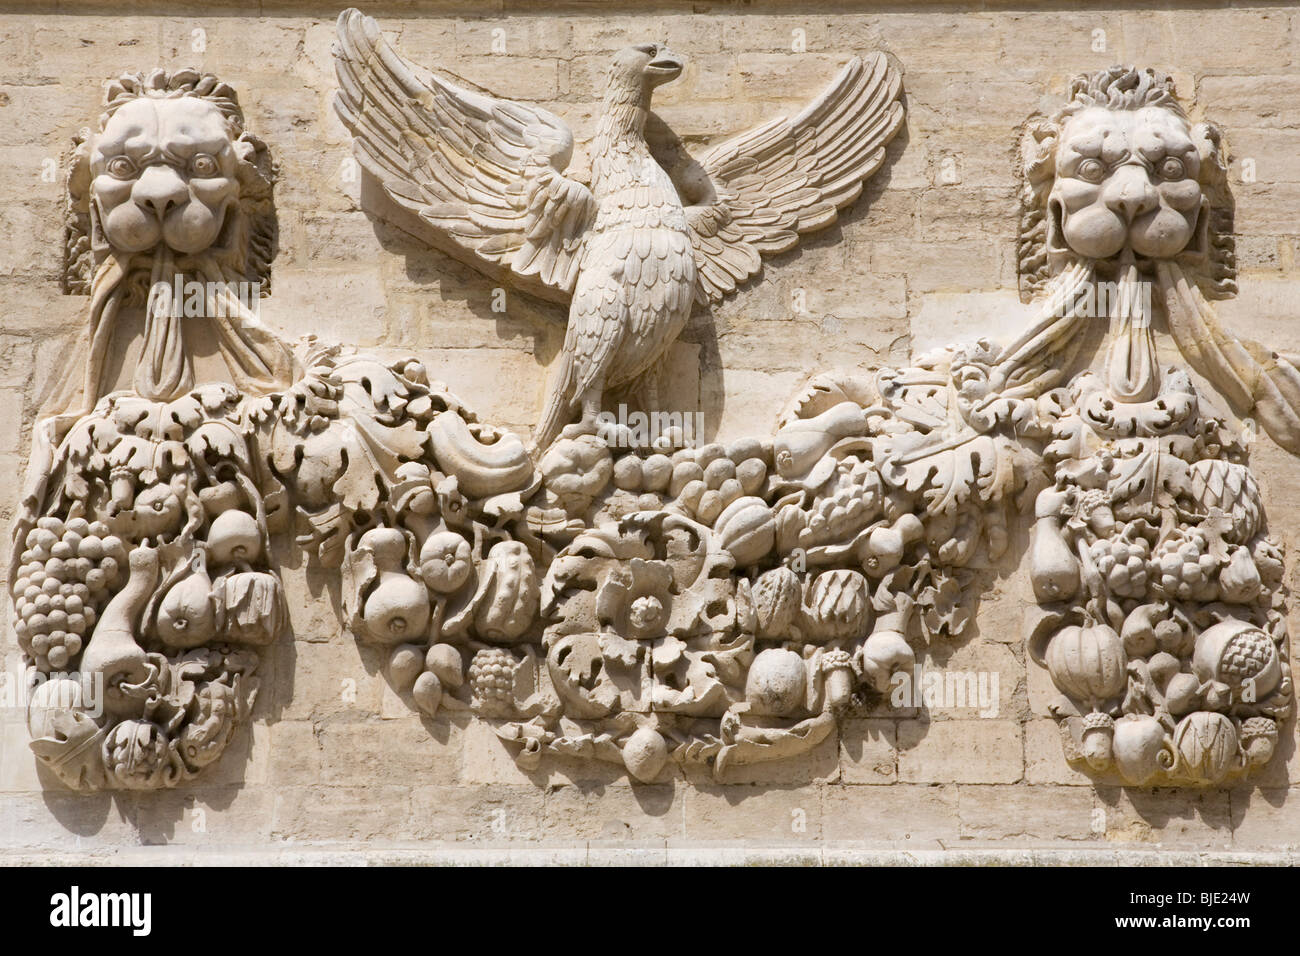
(1172, 168)
(203, 165)
(1091, 170)
(121, 167)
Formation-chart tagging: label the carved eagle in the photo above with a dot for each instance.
(488, 175)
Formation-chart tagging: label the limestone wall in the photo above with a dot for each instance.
(927, 256)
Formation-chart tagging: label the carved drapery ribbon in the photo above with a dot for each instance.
(164, 371)
(1131, 368)
(1252, 376)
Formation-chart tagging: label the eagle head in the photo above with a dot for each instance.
(644, 66)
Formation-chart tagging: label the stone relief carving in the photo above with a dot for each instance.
(634, 601)
(1163, 610)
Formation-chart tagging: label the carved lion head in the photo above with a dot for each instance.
(1120, 171)
(171, 164)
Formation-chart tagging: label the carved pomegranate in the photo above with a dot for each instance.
(1240, 655)
(1087, 663)
(509, 594)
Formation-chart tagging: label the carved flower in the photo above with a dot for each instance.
(138, 755)
(635, 599)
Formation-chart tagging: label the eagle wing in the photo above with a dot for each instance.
(486, 174)
(791, 176)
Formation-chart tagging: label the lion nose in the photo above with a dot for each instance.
(159, 188)
(1130, 192)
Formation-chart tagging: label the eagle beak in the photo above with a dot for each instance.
(666, 64)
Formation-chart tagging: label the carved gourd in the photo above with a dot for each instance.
(509, 594)
(113, 651)
(1087, 664)
(1053, 569)
(482, 469)
(397, 610)
(234, 536)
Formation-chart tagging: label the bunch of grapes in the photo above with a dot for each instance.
(706, 480)
(1122, 561)
(1187, 571)
(65, 577)
(851, 503)
(492, 682)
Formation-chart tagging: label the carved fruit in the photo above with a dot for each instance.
(885, 653)
(1240, 655)
(747, 529)
(187, 616)
(837, 605)
(1207, 744)
(1098, 731)
(1053, 570)
(492, 682)
(1087, 663)
(234, 536)
(112, 650)
(427, 693)
(49, 702)
(882, 550)
(1140, 749)
(1231, 488)
(777, 683)
(644, 754)
(404, 666)
(444, 661)
(254, 603)
(1239, 580)
(510, 593)
(1183, 694)
(776, 596)
(445, 561)
(397, 610)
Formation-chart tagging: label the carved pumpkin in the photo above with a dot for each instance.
(1087, 663)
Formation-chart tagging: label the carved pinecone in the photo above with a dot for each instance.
(492, 682)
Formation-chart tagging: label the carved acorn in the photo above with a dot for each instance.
(837, 605)
(1097, 739)
(1087, 664)
(776, 596)
(397, 610)
(509, 593)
